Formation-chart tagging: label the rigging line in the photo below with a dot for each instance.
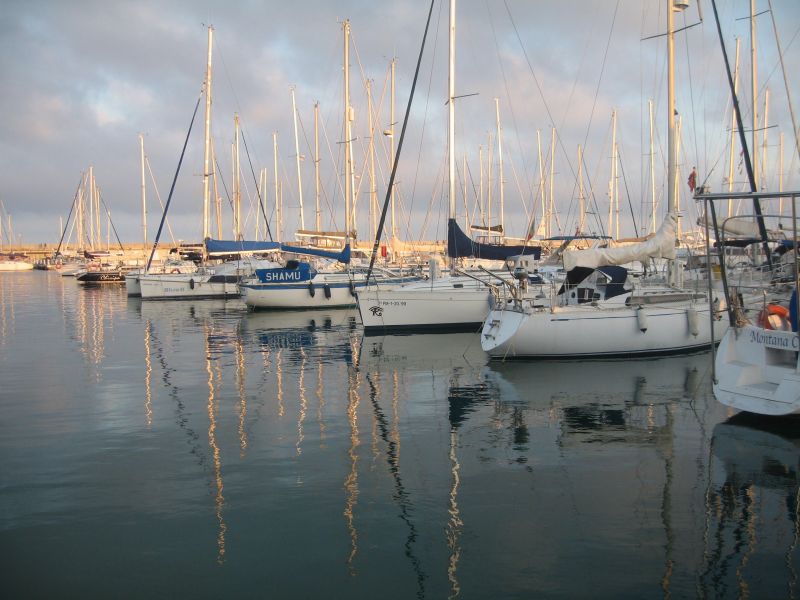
(410, 211)
(508, 95)
(785, 80)
(539, 88)
(258, 191)
(600, 78)
(108, 212)
(691, 92)
(399, 148)
(628, 195)
(172, 187)
(224, 187)
(337, 181)
(72, 208)
(762, 229)
(158, 195)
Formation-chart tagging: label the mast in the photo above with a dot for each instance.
(237, 189)
(144, 197)
(316, 167)
(489, 165)
(207, 143)
(581, 200)
(297, 160)
(613, 181)
(764, 141)
(754, 91)
(451, 118)
(480, 187)
(373, 192)
(551, 200)
(731, 154)
(671, 191)
(278, 215)
(348, 118)
(391, 151)
(500, 163)
(652, 173)
(541, 228)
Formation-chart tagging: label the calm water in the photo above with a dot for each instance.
(193, 449)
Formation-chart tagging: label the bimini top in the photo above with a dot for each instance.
(460, 245)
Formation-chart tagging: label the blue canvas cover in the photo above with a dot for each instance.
(342, 257)
(238, 246)
(460, 245)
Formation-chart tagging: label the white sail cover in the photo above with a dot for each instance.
(661, 245)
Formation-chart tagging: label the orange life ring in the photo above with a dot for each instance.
(175, 271)
(774, 316)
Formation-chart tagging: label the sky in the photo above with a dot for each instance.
(82, 80)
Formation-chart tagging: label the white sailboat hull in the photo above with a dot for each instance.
(446, 304)
(757, 370)
(325, 290)
(183, 285)
(585, 331)
(15, 265)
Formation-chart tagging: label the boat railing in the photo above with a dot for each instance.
(764, 275)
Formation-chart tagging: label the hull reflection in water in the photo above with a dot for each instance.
(753, 523)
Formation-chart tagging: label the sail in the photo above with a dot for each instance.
(661, 245)
(459, 245)
(217, 247)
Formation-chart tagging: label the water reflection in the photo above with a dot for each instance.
(753, 522)
(392, 361)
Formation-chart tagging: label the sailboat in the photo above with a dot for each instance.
(208, 280)
(445, 301)
(757, 366)
(599, 310)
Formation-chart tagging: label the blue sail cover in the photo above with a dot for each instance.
(239, 246)
(460, 245)
(342, 257)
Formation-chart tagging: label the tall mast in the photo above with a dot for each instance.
(671, 198)
(373, 191)
(278, 215)
(764, 174)
(316, 167)
(207, 144)
(144, 197)
(613, 181)
(489, 165)
(451, 116)
(92, 236)
(732, 152)
(581, 200)
(297, 161)
(754, 90)
(391, 150)
(348, 118)
(541, 228)
(500, 164)
(551, 201)
(652, 173)
(481, 186)
(237, 189)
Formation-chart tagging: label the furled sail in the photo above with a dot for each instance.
(661, 245)
(221, 247)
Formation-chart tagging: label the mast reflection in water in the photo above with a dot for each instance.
(195, 448)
